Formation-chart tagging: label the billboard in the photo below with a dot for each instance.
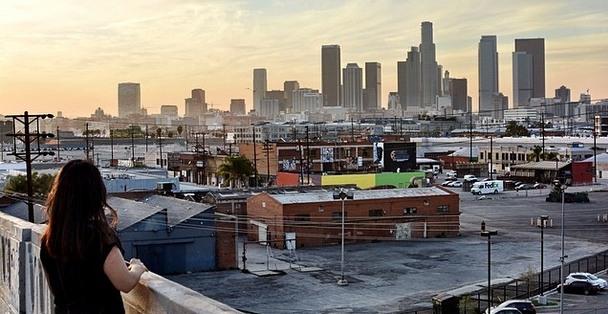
(399, 156)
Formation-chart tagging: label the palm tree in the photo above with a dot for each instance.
(236, 169)
(536, 153)
(41, 184)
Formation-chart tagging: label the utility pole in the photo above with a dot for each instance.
(86, 136)
(27, 138)
(307, 158)
(111, 145)
(58, 155)
(132, 147)
(146, 138)
(255, 161)
(267, 150)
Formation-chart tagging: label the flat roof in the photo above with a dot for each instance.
(327, 196)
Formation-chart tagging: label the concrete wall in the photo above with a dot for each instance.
(23, 286)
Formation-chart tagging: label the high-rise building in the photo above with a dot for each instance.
(288, 88)
(129, 99)
(487, 58)
(394, 103)
(373, 86)
(168, 110)
(535, 47)
(237, 106)
(563, 109)
(330, 75)
(199, 96)
(353, 87)
(306, 99)
(460, 97)
(271, 109)
(195, 105)
(260, 81)
(429, 68)
(523, 85)
(500, 103)
(409, 80)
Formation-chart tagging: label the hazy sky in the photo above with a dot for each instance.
(70, 55)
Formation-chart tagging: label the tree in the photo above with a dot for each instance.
(536, 153)
(514, 129)
(41, 184)
(236, 169)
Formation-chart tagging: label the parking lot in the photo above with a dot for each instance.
(401, 276)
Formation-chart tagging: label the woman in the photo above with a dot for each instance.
(80, 252)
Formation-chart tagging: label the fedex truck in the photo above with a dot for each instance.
(488, 187)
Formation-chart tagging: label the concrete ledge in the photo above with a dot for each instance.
(156, 294)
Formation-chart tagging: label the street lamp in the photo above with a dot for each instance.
(542, 225)
(562, 188)
(488, 234)
(343, 194)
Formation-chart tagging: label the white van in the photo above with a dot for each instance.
(488, 187)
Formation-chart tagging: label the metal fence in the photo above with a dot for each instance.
(524, 288)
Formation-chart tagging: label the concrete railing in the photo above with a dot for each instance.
(23, 286)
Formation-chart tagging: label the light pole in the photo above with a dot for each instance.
(562, 188)
(488, 234)
(342, 194)
(543, 223)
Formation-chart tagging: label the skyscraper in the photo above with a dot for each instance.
(459, 92)
(129, 99)
(535, 47)
(288, 88)
(199, 96)
(522, 79)
(330, 75)
(564, 109)
(353, 87)
(429, 68)
(409, 80)
(373, 85)
(487, 59)
(259, 89)
(195, 105)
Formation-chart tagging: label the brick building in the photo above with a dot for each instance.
(315, 217)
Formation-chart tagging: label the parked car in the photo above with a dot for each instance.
(539, 185)
(524, 186)
(579, 286)
(456, 184)
(524, 306)
(587, 277)
(505, 310)
(470, 178)
(446, 183)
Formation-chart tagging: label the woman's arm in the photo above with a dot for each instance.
(122, 277)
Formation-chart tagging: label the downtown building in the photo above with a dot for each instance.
(330, 75)
(528, 71)
(353, 88)
(196, 104)
(488, 76)
(373, 87)
(260, 85)
(129, 99)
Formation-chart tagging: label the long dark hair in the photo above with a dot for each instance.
(76, 203)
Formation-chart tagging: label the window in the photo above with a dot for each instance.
(302, 217)
(410, 210)
(481, 155)
(443, 208)
(376, 213)
(338, 215)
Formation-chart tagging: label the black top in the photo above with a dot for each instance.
(82, 286)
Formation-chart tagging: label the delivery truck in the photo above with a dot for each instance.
(488, 187)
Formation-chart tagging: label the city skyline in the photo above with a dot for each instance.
(70, 59)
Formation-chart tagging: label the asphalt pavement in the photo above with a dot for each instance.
(402, 276)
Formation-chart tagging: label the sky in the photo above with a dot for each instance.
(69, 56)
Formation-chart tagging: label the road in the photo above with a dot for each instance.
(395, 277)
